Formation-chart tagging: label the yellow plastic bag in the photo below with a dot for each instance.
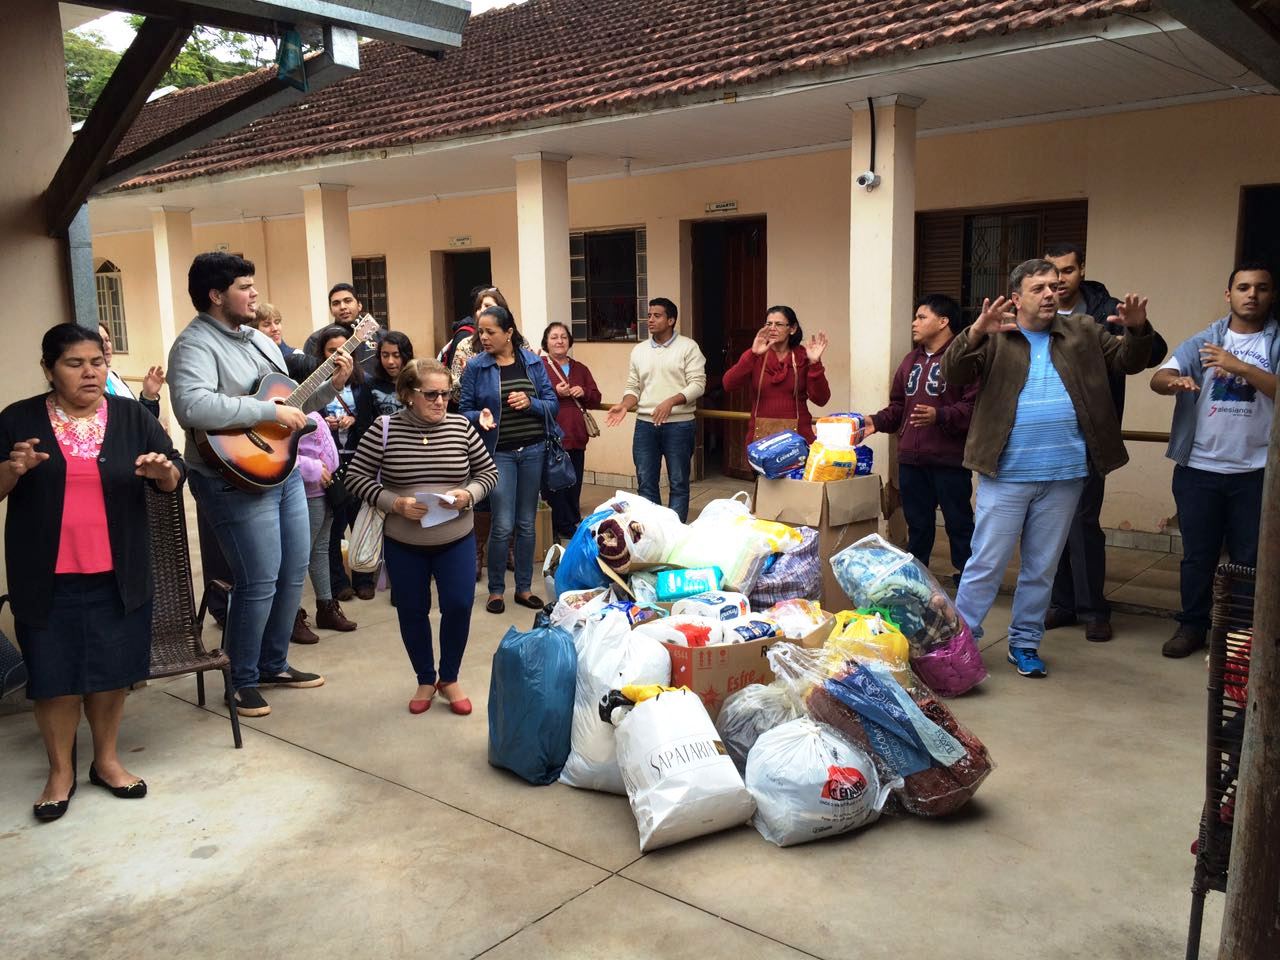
(870, 636)
(829, 463)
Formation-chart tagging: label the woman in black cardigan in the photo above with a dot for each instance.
(79, 556)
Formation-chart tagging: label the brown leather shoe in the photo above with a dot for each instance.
(302, 632)
(1184, 642)
(1098, 631)
(345, 594)
(365, 592)
(1056, 617)
(329, 616)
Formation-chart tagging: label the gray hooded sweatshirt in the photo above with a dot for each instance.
(213, 371)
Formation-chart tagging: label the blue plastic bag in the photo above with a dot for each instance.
(777, 454)
(531, 701)
(579, 567)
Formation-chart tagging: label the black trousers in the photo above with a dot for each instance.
(924, 489)
(566, 509)
(1080, 583)
(1214, 509)
(343, 517)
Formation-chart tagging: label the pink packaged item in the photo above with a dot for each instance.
(954, 667)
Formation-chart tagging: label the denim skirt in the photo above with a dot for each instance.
(90, 643)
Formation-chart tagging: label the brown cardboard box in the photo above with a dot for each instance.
(543, 537)
(818, 635)
(842, 511)
(715, 672)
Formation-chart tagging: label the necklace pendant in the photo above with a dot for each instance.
(425, 441)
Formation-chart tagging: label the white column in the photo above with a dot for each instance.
(881, 252)
(174, 250)
(542, 228)
(328, 244)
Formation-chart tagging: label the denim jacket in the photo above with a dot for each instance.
(1182, 434)
(482, 389)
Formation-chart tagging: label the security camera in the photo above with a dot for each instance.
(868, 180)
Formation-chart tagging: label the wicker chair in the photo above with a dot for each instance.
(13, 672)
(176, 625)
(1229, 647)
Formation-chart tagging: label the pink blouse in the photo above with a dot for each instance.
(84, 544)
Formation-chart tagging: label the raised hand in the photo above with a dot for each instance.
(816, 346)
(997, 317)
(152, 382)
(1131, 312)
(25, 457)
(1183, 385)
(617, 413)
(486, 420)
(1214, 357)
(760, 345)
(153, 466)
(342, 366)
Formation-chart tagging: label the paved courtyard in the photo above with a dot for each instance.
(348, 828)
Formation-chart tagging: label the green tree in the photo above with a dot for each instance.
(89, 66)
(210, 55)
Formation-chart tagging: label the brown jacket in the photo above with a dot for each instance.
(1082, 352)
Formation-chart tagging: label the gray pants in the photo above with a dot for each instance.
(321, 516)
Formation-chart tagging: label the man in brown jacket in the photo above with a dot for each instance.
(1043, 416)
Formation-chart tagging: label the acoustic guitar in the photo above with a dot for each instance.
(264, 455)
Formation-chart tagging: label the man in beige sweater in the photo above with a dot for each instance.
(668, 374)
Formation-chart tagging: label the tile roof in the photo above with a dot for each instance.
(548, 59)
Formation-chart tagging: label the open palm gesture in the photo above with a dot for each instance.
(816, 346)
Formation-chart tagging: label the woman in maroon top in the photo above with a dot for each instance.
(578, 392)
(78, 554)
(782, 375)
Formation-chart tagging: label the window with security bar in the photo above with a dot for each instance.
(369, 277)
(609, 284)
(106, 279)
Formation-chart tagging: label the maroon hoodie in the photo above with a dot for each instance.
(919, 381)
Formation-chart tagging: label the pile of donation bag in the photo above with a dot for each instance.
(693, 669)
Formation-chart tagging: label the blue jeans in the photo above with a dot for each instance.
(411, 570)
(674, 443)
(266, 538)
(514, 505)
(1035, 516)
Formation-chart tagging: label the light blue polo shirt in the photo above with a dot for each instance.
(1046, 442)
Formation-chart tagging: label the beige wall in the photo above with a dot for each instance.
(35, 130)
(1159, 223)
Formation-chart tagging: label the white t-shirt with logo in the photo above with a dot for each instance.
(1233, 418)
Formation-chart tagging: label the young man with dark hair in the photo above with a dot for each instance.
(1078, 587)
(214, 366)
(1224, 379)
(931, 418)
(667, 375)
(345, 310)
(1042, 420)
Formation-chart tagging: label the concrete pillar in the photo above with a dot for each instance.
(174, 250)
(542, 229)
(881, 252)
(328, 244)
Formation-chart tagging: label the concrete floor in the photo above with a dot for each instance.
(348, 828)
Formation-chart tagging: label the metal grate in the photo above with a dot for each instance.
(1230, 639)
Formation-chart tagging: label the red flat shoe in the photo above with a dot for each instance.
(420, 706)
(461, 707)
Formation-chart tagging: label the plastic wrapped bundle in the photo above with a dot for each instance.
(727, 536)
(637, 532)
(748, 713)
(876, 574)
(953, 668)
(776, 455)
(790, 576)
(826, 464)
(718, 605)
(941, 763)
(809, 782)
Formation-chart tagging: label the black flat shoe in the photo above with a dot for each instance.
(52, 810)
(496, 605)
(133, 791)
(532, 601)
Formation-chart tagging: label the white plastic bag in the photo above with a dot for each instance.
(610, 656)
(678, 779)
(808, 781)
(751, 711)
(575, 607)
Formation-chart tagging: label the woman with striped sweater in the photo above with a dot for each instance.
(400, 461)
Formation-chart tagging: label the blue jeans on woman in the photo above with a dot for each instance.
(1035, 516)
(672, 442)
(411, 570)
(514, 506)
(266, 538)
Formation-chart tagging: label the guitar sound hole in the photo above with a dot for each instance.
(257, 441)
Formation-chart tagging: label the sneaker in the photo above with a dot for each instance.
(1098, 631)
(1057, 617)
(292, 678)
(250, 703)
(1184, 642)
(1027, 661)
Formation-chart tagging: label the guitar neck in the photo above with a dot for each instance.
(308, 388)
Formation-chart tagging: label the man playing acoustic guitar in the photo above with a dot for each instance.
(215, 366)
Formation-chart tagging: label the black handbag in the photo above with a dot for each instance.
(557, 468)
(336, 491)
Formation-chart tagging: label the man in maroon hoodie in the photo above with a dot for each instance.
(931, 419)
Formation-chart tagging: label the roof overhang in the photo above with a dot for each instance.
(1248, 31)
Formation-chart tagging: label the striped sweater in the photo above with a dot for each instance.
(421, 457)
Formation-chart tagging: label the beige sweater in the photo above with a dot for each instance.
(657, 373)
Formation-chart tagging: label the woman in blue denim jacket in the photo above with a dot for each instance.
(507, 396)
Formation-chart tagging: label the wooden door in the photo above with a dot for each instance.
(729, 300)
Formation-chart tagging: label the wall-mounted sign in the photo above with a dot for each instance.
(722, 206)
(222, 247)
(462, 241)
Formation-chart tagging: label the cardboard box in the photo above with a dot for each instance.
(543, 535)
(715, 672)
(819, 634)
(842, 511)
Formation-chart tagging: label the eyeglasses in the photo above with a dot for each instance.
(778, 326)
(431, 394)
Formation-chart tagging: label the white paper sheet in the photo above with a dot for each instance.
(440, 508)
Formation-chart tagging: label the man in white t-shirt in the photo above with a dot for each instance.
(1224, 379)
